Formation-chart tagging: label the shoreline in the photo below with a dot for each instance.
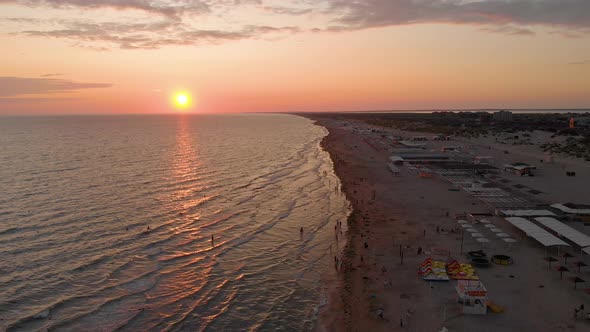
(326, 320)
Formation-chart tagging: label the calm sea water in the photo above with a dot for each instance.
(77, 195)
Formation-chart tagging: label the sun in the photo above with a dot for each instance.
(181, 100)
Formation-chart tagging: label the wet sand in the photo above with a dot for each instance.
(392, 211)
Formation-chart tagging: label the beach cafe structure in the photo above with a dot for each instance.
(420, 158)
(520, 168)
(473, 295)
(539, 234)
(563, 230)
(483, 160)
(569, 208)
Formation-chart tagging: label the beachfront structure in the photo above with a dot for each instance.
(420, 158)
(502, 116)
(407, 150)
(397, 160)
(393, 169)
(565, 231)
(440, 137)
(520, 168)
(473, 295)
(483, 160)
(412, 144)
(542, 236)
(527, 213)
(570, 208)
(450, 149)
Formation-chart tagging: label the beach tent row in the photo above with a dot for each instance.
(542, 236)
(566, 209)
(527, 213)
(564, 230)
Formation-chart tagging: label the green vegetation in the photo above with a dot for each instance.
(482, 124)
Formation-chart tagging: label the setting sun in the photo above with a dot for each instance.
(182, 100)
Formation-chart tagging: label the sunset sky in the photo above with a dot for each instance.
(131, 56)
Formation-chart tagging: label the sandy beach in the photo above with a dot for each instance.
(395, 216)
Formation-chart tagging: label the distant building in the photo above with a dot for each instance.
(521, 169)
(483, 160)
(484, 117)
(450, 149)
(503, 116)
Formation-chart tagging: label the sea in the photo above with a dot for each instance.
(166, 223)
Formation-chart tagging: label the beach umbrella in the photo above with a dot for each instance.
(580, 265)
(496, 230)
(476, 235)
(482, 240)
(566, 255)
(466, 226)
(471, 230)
(550, 260)
(561, 270)
(502, 235)
(577, 280)
(489, 226)
(483, 221)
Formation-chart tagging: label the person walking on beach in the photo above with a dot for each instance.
(301, 231)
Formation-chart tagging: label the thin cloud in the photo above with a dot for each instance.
(580, 63)
(165, 8)
(287, 10)
(52, 75)
(22, 86)
(25, 100)
(509, 30)
(151, 35)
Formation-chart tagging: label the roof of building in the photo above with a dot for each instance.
(542, 236)
(527, 213)
(566, 231)
(411, 144)
(570, 209)
(420, 156)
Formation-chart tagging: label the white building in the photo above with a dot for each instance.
(503, 116)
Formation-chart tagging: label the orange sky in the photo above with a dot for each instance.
(275, 56)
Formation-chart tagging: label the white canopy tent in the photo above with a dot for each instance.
(566, 209)
(566, 231)
(527, 213)
(542, 236)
